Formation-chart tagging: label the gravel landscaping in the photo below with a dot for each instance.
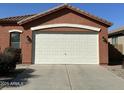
(117, 69)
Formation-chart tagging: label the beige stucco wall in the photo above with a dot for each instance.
(110, 40)
(120, 45)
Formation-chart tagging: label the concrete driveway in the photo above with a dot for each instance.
(68, 77)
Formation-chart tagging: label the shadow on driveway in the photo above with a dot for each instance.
(17, 78)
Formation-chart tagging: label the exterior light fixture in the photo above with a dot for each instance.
(104, 39)
(29, 40)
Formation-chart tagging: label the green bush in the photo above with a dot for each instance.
(8, 60)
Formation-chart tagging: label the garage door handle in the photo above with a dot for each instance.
(65, 54)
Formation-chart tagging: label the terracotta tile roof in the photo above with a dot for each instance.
(27, 18)
(15, 19)
(61, 7)
(116, 31)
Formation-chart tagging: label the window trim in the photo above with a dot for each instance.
(15, 31)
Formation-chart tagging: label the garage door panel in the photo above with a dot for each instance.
(66, 48)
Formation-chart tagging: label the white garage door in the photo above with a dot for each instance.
(66, 48)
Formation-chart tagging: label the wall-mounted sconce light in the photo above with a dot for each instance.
(29, 40)
(104, 39)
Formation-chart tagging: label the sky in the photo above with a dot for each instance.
(111, 12)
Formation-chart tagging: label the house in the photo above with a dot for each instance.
(116, 39)
(62, 35)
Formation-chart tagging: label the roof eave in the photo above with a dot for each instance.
(29, 19)
(21, 22)
(8, 22)
(116, 33)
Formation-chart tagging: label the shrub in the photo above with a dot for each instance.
(8, 60)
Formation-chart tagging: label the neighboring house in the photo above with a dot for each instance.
(116, 46)
(62, 35)
(116, 38)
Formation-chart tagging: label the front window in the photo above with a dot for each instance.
(15, 39)
(114, 40)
